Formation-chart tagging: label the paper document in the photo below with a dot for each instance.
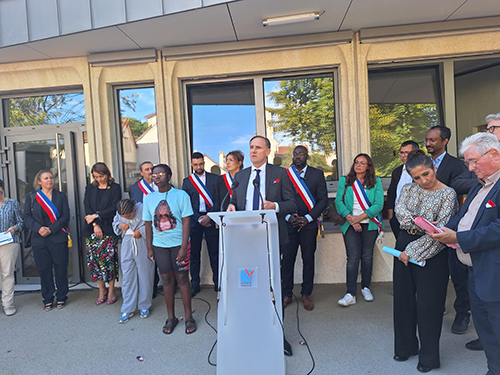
(5, 238)
(394, 252)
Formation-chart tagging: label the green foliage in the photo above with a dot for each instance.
(315, 160)
(137, 126)
(46, 109)
(304, 111)
(391, 125)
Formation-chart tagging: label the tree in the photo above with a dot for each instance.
(137, 126)
(304, 112)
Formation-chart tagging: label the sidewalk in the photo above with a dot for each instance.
(86, 339)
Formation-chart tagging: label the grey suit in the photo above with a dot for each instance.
(278, 189)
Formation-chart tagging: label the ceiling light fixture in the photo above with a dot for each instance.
(284, 20)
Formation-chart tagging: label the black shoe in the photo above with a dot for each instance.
(288, 348)
(399, 358)
(195, 290)
(423, 368)
(460, 324)
(474, 345)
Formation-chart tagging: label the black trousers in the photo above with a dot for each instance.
(306, 238)
(486, 316)
(47, 256)
(459, 275)
(419, 300)
(212, 238)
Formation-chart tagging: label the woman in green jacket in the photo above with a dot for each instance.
(360, 199)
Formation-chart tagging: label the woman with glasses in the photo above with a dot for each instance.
(100, 200)
(10, 223)
(360, 199)
(420, 292)
(234, 164)
(46, 214)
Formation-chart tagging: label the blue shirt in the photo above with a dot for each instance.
(10, 215)
(438, 160)
(165, 211)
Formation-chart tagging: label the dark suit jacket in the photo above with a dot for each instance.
(391, 192)
(449, 169)
(211, 184)
(135, 192)
(37, 218)
(315, 181)
(464, 182)
(481, 241)
(106, 208)
(279, 189)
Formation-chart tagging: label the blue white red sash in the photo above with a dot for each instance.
(301, 187)
(228, 180)
(202, 189)
(145, 187)
(364, 202)
(49, 208)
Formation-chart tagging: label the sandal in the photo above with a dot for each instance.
(190, 326)
(100, 301)
(60, 305)
(170, 325)
(48, 306)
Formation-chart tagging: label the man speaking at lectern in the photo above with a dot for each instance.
(264, 186)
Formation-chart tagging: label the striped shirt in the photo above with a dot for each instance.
(10, 215)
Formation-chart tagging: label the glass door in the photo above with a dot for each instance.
(28, 154)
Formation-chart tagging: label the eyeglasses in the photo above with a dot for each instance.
(159, 174)
(491, 129)
(1, 192)
(473, 163)
(360, 163)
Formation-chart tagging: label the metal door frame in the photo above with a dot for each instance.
(76, 177)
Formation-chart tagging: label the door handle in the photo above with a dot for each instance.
(59, 177)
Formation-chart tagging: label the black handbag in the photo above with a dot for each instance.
(27, 232)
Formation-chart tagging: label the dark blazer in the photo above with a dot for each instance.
(391, 192)
(481, 241)
(135, 192)
(211, 184)
(37, 218)
(221, 193)
(315, 182)
(279, 189)
(449, 169)
(106, 208)
(464, 182)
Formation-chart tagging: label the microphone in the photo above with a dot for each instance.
(256, 185)
(234, 186)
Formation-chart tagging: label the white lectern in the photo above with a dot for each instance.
(249, 333)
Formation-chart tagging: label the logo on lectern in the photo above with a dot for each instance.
(248, 277)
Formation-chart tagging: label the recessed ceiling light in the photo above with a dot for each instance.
(283, 20)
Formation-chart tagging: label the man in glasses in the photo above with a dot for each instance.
(311, 199)
(476, 228)
(201, 187)
(399, 178)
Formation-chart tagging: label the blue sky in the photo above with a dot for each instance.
(145, 103)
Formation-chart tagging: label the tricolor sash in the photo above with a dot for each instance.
(364, 202)
(145, 187)
(201, 189)
(50, 209)
(228, 180)
(301, 187)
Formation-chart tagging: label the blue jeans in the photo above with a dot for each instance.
(359, 247)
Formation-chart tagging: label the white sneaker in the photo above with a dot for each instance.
(367, 294)
(348, 299)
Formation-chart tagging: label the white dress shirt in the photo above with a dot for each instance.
(403, 180)
(203, 205)
(250, 187)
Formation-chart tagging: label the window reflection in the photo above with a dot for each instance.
(138, 129)
(301, 111)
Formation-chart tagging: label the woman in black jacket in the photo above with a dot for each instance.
(46, 214)
(101, 198)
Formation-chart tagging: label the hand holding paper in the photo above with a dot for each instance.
(394, 252)
(443, 235)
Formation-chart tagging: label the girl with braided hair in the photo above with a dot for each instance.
(137, 269)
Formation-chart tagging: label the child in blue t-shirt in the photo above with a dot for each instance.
(167, 214)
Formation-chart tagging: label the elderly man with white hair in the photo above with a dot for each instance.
(476, 228)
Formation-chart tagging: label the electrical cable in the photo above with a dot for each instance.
(302, 336)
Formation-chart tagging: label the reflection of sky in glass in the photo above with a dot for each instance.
(223, 127)
(144, 98)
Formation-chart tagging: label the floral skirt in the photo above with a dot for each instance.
(102, 257)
